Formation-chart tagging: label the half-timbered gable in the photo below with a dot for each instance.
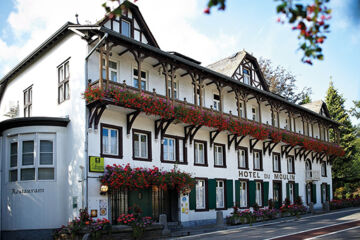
(242, 67)
(129, 23)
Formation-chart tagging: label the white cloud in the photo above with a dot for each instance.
(31, 22)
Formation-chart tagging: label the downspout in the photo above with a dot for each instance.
(86, 117)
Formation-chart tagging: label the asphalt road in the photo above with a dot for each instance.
(344, 224)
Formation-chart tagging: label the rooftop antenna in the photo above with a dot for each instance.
(77, 18)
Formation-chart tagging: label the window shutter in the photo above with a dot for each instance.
(328, 192)
(313, 193)
(321, 191)
(237, 193)
(266, 193)
(192, 198)
(212, 193)
(287, 191)
(252, 193)
(296, 190)
(229, 194)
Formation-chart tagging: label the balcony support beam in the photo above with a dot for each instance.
(95, 114)
(213, 135)
(190, 132)
(130, 119)
(252, 144)
(161, 125)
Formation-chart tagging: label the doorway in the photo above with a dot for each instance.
(277, 194)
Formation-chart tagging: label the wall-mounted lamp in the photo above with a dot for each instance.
(104, 189)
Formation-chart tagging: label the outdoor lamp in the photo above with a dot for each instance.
(104, 189)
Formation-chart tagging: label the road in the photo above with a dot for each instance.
(344, 224)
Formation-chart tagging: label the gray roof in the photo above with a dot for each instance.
(316, 107)
(228, 66)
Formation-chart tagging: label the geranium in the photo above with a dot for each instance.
(117, 176)
(159, 106)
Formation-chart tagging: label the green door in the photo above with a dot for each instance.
(277, 194)
(141, 198)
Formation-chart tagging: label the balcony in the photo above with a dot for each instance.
(312, 175)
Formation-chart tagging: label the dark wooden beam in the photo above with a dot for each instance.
(213, 135)
(95, 115)
(184, 74)
(161, 125)
(123, 52)
(266, 146)
(231, 139)
(155, 65)
(130, 119)
(284, 149)
(190, 132)
(253, 142)
(238, 140)
(272, 147)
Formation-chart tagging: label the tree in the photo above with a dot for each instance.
(354, 111)
(346, 168)
(282, 82)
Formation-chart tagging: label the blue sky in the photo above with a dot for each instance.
(180, 25)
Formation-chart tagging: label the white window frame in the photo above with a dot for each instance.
(63, 81)
(28, 101)
(197, 153)
(129, 23)
(167, 146)
(243, 194)
(219, 155)
(216, 102)
(242, 157)
(323, 169)
(139, 146)
(220, 194)
(290, 164)
(276, 162)
(109, 142)
(200, 194)
(175, 88)
(257, 160)
(36, 138)
(111, 70)
(247, 76)
(254, 114)
(291, 192)
(135, 78)
(258, 193)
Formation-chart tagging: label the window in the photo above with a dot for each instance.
(274, 118)
(220, 194)
(111, 141)
(254, 113)
(246, 73)
(200, 194)
(175, 89)
(199, 100)
(323, 169)
(143, 79)
(243, 194)
(125, 28)
(216, 102)
(169, 149)
(257, 160)
(63, 82)
(308, 193)
(291, 192)
(258, 193)
(173, 150)
(28, 102)
(241, 109)
(113, 70)
(200, 153)
(32, 158)
(323, 193)
(276, 162)
(290, 164)
(219, 155)
(242, 158)
(141, 145)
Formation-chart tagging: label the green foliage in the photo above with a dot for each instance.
(344, 168)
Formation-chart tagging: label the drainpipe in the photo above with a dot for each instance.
(86, 117)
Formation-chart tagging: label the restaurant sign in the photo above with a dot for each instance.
(96, 164)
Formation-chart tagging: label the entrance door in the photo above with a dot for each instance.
(142, 199)
(165, 202)
(277, 196)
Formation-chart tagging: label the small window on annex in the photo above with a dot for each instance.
(63, 81)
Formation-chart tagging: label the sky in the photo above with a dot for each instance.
(181, 25)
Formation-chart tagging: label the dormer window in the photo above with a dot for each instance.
(125, 28)
(246, 73)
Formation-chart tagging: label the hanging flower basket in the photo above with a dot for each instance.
(159, 106)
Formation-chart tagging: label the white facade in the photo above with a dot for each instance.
(55, 202)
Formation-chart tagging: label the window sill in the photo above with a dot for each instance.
(224, 208)
(277, 171)
(201, 165)
(202, 210)
(111, 156)
(142, 159)
(243, 168)
(260, 170)
(174, 162)
(219, 166)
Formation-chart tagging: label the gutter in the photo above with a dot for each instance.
(86, 121)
